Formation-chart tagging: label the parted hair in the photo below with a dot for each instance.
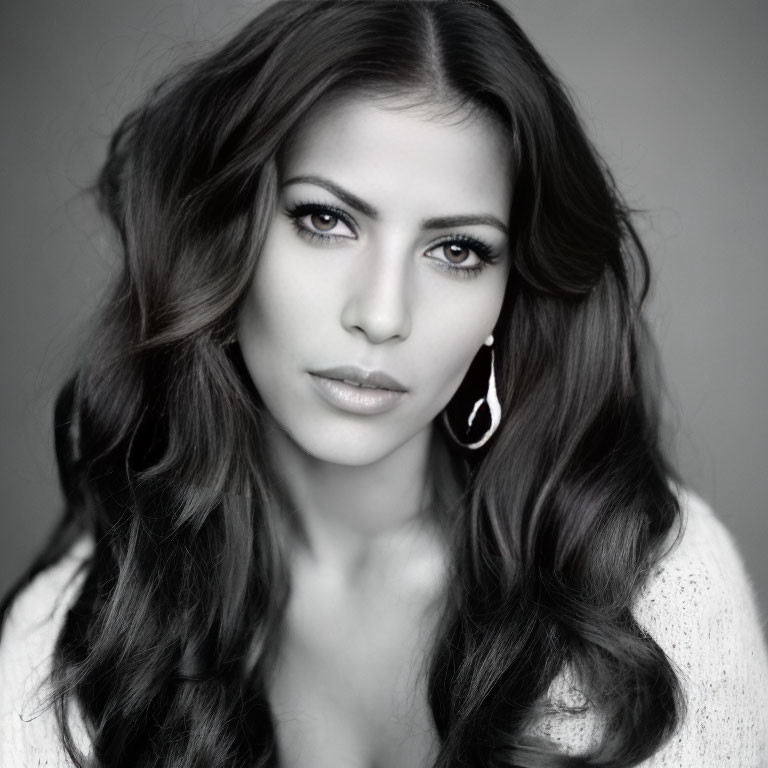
(160, 434)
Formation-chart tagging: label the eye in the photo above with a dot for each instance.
(457, 253)
(462, 254)
(325, 222)
(318, 220)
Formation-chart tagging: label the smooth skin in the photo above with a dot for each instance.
(388, 251)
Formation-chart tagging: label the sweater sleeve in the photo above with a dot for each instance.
(700, 608)
(29, 734)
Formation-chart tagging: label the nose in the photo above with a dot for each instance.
(378, 304)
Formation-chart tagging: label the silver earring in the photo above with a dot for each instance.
(474, 430)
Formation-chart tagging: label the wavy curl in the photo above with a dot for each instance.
(159, 435)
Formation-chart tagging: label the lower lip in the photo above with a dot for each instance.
(348, 397)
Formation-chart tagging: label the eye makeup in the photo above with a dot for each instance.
(484, 252)
(299, 211)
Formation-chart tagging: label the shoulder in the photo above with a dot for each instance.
(699, 605)
(28, 729)
(48, 594)
(699, 578)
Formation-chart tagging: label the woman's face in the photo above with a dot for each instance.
(382, 274)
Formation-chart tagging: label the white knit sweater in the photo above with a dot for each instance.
(698, 605)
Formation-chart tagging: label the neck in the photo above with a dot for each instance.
(346, 515)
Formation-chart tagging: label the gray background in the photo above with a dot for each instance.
(673, 92)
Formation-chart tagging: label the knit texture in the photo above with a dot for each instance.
(698, 605)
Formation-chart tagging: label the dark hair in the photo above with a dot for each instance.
(159, 434)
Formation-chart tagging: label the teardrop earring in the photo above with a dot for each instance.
(475, 429)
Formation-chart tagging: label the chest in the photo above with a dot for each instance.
(349, 686)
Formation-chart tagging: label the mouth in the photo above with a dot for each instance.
(358, 377)
(357, 391)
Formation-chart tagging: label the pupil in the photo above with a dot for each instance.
(456, 253)
(323, 221)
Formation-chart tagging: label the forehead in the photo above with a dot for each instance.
(412, 156)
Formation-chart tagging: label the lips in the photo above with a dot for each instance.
(358, 377)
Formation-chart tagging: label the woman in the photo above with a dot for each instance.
(360, 464)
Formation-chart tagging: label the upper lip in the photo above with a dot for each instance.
(362, 378)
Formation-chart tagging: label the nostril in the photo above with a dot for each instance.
(379, 299)
(378, 321)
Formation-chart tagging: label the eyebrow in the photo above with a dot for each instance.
(438, 222)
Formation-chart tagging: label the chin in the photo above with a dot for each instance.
(352, 448)
(345, 452)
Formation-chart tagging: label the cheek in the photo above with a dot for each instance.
(282, 303)
(448, 364)
(457, 330)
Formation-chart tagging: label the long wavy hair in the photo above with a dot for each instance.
(160, 432)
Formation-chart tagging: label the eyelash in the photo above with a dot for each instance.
(484, 252)
(298, 211)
